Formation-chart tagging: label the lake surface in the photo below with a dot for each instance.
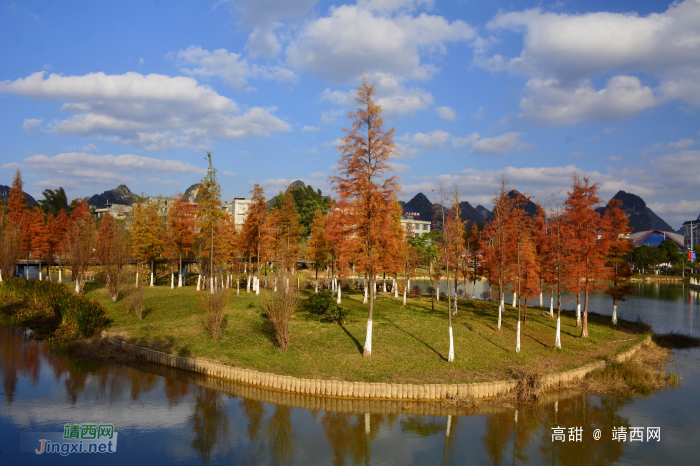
(165, 416)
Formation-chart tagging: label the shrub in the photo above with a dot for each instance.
(415, 292)
(324, 304)
(280, 305)
(213, 305)
(133, 299)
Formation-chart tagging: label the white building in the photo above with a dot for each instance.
(117, 211)
(412, 219)
(238, 209)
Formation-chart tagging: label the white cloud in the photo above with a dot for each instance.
(460, 143)
(330, 116)
(228, 173)
(141, 61)
(398, 168)
(152, 111)
(230, 67)
(334, 143)
(499, 145)
(310, 128)
(81, 171)
(446, 113)
(676, 213)
(548, 103)
(353, 38)
(31, 123)
(428, 141)
(263, 42)
(577, 154)
(563, 52)
(478, 115)
(615, 158)
(682, 144)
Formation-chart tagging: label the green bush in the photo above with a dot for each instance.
(87, 314)
(324, 304)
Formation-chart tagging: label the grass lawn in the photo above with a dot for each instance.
(409, 345)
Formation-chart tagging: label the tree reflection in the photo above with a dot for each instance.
(254, 411)
(175, 390)
(535, 424)
(351, 435)
(18, 356)
(209, 421)
(279, 436)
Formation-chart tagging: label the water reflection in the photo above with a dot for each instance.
(166, 415)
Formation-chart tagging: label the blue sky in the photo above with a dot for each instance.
(96, 94)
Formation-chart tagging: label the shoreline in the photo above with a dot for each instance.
(362, 390)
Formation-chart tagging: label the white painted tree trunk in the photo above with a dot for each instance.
(77, 286)
(0, 275)
(515, 298)
(404, 297)
(451, 354)
(151, 285)
(179, 279)
(500, 310)
(287, 286)
(257, 286)
(384, 284)
(396, 289)
(578, 314)
(172, 280)
(517, 340)
(316, 291)
(211, 285)
(454, 312)
(60, 278)
(541, 302)
(551, 306)
(557, 338)
(199, 282)
(238, 285)
(408, 284)
(368, 339)
(340, 290)
(137, 280)
(614, 316)
(437, 292)
(275, 284)
(41, 277)
(365, 300)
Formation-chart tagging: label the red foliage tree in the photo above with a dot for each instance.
(617, 230)
(589, 246)
(180, 231)
(365, 195)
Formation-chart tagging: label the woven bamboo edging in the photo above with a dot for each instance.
(360, 390)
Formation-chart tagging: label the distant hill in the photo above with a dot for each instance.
(421, 204)
(530, 207)
(641, 217)
(485, 213)
(119, 195)
(5, 195)
(469, 214)
(192, 193)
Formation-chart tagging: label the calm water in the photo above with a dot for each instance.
(169, 417)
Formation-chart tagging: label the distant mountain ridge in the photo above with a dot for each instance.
(119, 195)
(641, 217)
(5, 195)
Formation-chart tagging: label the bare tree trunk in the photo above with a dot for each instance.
(368, 336)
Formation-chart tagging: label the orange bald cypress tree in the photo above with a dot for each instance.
(590, 247)
(180, 231)
(286, 222)
(617, 229)
(318, 246)
(365, 194)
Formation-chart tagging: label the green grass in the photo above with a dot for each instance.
(409, 345)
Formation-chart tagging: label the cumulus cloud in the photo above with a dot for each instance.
(377, 40)
(446, 113)
(152, 111)
(81, 170)
(306, 129)
(548, 103)
(31, 123)
(563, 52)
(229, 66)
(428, 141)
(499, 145)
(460, 143)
